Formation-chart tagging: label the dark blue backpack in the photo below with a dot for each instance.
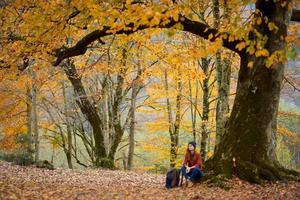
(172, 178)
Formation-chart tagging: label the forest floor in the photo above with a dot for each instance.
(18, 182)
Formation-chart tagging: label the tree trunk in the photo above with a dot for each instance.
(193, 107)
(170, 120)
(29, 120)
(34, 117)
(135, 90)
(106, 102)
(223, 81)
(174, 127)
(174, 137)
(132, 128)
(205, 110)
(69, 133)
(110, 118)
(248, 144)
(116, 115)
(90, 112)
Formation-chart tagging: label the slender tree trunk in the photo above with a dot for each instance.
(134, 93)
(131, 132)
(248, 145)
(170, 119)
(53, 154)
(174, 149)
(69, 132)
(34, 117)
(223, 98)
(205, 109)
(61, 132)
(106, 109)
(174, 127)
(124, 161)
(220, 103)
(223, 81)
(193, 107)
(29, 120)
(116, 115)
(132, 129)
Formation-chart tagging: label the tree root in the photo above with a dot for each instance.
(217, 181)
(252, 172)
(274, 172)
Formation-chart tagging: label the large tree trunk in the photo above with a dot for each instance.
(90, 112)
(248, 144)
(110, 120)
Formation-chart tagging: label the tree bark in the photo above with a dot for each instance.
(29, 120)
(205, 110)
(34, 117)
(174, 137)
(132, 128)
(107, 117)
(222, 110)
(89, 111)
(248, 144)
(117, 100)
(69, 133)
(174, 127)
(193, 107)
(223, 79)
(135, 90)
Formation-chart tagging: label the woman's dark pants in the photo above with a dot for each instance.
(194, 175)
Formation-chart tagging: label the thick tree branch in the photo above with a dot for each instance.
(295, 15)
(194, 27)
(197, 28)
(211, 34)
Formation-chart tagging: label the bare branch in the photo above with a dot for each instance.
(292, 84)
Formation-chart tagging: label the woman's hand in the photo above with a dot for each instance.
(188, 169)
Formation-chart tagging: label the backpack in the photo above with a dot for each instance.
(172, 178)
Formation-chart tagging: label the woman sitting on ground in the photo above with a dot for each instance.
(192, 165)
